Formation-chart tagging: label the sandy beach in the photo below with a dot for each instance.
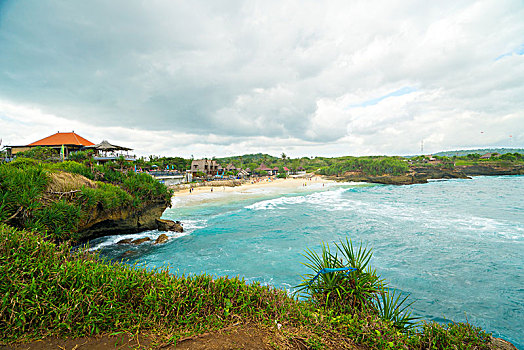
(263, 185)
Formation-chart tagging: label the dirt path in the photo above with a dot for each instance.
(241, 337)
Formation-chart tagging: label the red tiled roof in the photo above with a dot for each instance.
(62, 138)
(286, 169)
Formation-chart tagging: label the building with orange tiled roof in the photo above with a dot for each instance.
(62, 138)
(70, 140)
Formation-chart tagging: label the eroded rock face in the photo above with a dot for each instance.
(440, 173)
(161, 239)
(169, 225)
(124, 220)
(491, 170)
(408, 179)
(125, 241)
(417, 176)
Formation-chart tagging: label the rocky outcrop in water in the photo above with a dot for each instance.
(169, 225)
(161, 239)
(140, 240)
(408, 179)
(439, 173)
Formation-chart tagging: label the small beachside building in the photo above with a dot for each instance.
(263, 169)
(105, 151)
(486, 156)
(206, 166)
(71, 142)
(231, 167)
(300, 171)
(243, 173)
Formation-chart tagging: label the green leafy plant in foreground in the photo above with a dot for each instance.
(391, 305)
(357, 291)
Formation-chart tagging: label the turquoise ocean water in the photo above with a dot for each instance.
(456, 246)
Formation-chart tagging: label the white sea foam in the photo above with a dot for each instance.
(153, 235)
(192, 225)
(285, 202)
(189, 227)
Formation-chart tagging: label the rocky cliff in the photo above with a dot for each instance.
(417, 176)
(122, 220)
(491, 170)
(99, 221)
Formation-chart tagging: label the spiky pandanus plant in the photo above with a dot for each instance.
(356, 291)
(340, 290)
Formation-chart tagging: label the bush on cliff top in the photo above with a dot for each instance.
(40, 196)
(368, 166)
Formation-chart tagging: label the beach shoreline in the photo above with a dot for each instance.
(250, 185)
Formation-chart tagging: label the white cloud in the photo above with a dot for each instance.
(172, 77)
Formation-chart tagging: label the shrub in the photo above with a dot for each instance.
(39, 153)
(32, 194)
(358, 291)
(147, 188)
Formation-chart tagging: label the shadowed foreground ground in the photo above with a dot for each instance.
(238, 337)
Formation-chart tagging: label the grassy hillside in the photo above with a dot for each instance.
(47, 290)
(56, 198)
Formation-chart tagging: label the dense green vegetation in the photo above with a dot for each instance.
(48, 290)
(152, 162)
(481, 151)
(48, 197)
(368, 166)
(500, 160)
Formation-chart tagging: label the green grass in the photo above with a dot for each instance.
(48, 290)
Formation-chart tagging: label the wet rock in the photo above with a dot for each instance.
(169, 225)
(125, 241)
(501, 344)
(161, 239)
(140, 240)
(128, 253)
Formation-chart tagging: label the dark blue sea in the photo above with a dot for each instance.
(456, 246)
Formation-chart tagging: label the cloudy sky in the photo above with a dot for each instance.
(208, 78)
